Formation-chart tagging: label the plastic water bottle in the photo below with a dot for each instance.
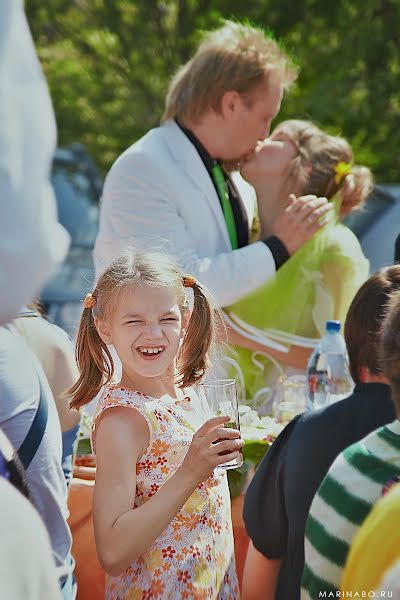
(318, 379)
(328, 373)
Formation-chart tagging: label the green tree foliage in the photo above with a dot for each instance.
(108, 63)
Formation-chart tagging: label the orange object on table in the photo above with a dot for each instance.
(240, 536)
(88, 571)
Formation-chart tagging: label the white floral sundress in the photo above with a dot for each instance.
(194, 557)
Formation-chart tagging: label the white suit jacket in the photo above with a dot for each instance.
(159, 195)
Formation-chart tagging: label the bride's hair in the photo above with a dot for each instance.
(316, 168)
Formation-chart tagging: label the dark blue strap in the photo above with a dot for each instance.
(34, 436)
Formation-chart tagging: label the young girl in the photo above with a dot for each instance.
(161, 513)
(320, 280)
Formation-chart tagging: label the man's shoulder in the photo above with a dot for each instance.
(160, 151)
(316, 432)
(311, 426)
(150, 144)
(159, 142)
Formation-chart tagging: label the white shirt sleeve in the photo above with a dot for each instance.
(32, 242)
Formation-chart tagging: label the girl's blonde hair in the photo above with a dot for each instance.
(156, 270)
(315, 167)
(234, 57)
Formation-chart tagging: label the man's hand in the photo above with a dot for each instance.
(300, 220)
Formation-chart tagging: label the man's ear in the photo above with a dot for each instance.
(230, 102)
(103, 331)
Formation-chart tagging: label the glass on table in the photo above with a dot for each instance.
(292, 398)
(221, 397)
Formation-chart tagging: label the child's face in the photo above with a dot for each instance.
(146, 329)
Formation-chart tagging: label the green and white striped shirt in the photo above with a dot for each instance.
(345, 497)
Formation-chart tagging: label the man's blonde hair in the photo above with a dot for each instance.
(235, 57)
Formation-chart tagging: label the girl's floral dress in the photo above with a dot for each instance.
(194, 557)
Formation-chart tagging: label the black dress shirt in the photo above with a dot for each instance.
(277, 248)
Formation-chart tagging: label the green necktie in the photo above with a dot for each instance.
(219, 180)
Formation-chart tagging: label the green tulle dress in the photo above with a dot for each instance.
(316, 284)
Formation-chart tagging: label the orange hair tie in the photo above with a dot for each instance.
(189, 281)
(89, 301)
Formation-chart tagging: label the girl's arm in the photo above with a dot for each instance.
(297, 356)
(123, 533)
(259, 576)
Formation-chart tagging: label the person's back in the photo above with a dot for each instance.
(354, 483)
(275, 516)
(52, 346)
(22, 384)
(365, 568)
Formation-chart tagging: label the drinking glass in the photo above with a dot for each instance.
(221, 396)
(292, 398)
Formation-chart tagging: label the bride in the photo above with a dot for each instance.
(274, 329)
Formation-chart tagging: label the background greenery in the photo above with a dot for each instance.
(108, 63)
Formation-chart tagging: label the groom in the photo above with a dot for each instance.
(168, 190)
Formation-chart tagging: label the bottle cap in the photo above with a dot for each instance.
(333, 326)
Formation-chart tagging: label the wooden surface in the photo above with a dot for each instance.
(88, 572)
(240, 536)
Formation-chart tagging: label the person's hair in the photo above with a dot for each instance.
(397, 249)
(363, 325)
(155, 270)
(318, 155)
(391, 348)
(235, 57)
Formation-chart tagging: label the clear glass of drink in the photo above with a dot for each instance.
(292, 398)
(221, 396)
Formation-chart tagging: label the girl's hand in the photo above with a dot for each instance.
(212, 445)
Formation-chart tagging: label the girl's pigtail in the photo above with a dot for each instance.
(94, 361)
(199, 339)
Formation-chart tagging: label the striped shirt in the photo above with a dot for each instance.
(347, 494)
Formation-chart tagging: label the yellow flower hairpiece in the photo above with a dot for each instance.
(342, 169)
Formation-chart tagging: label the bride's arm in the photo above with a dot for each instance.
(297, 356)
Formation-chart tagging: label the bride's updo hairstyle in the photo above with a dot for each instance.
(324, 165)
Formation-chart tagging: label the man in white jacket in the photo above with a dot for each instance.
(169, 191)
(32, 242)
